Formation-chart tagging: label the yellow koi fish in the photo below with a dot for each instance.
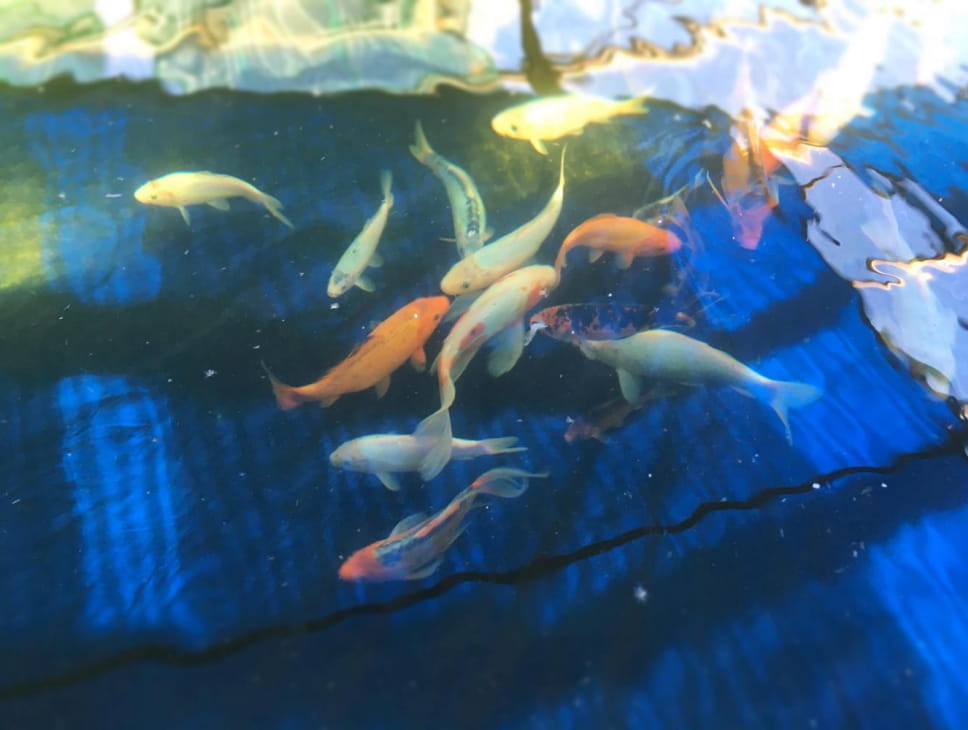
(387, 454)
(348, 271)
(181, 189)
(485, 266)
(415, 547)
(466, 205)
(553, 117)
(670, 356)
(496, 315)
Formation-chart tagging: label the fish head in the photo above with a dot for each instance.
(339, 284)
(346, 456)
(154, 193)
(464, 277)
(433, 308)
(542, 280)
(363, 565)
(511, 123)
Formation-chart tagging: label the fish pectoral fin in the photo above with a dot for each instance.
(426, 571)
(389, 480)
(382, 387)
(630, 384)
(625, 260)
(376, 261)
(219, 204)
(366, 284)
(328, 401)
(539, 146)
(461, 304)
(594, 254)
(419, 359)
(487, 235)
(408, 523)
(508, 346)
(184, 214)
(446, 239)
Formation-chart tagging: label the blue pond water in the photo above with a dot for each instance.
(170, 539)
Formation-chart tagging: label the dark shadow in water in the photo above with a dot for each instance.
(534, 570)
(542, 76)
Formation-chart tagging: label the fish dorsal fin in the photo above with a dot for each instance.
(602, 216)
(408, 523)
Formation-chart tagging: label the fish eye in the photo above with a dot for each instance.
(514, 127)
(437, 317)
(154, 197)
(465, 285)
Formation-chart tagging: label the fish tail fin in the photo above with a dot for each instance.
(275, 209)
(436, 429)
(287, 397)
(502, 445)
(634, 106)
(504, 482)
(421, 148)
(386, 182)
(784, 395)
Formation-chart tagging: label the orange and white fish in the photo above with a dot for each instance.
(749, 188)
(181, 189)
(488, 264)
(387, 454)
(670, 356)
(630, 238)
(400, 337)
(496, 315)
(416, 546)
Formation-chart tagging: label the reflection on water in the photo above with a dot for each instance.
(697, 411)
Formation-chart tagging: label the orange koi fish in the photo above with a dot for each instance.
(415, 547)
(496, 315)
(630, 238)
(748, 192)
(399, 337)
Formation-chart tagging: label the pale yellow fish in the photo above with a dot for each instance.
(387, 454)
(488, 264)
(553, 117)
(361, 253)
(670, 356)
(181, 189)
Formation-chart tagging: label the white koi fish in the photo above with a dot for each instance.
(416, 546)
(466, 206)
(485, 266)
(554, 117)
(348, 271)
(496, 315)
(387, 454)
(181, 189)
(665, 355)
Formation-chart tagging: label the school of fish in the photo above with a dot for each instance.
(497, 284)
